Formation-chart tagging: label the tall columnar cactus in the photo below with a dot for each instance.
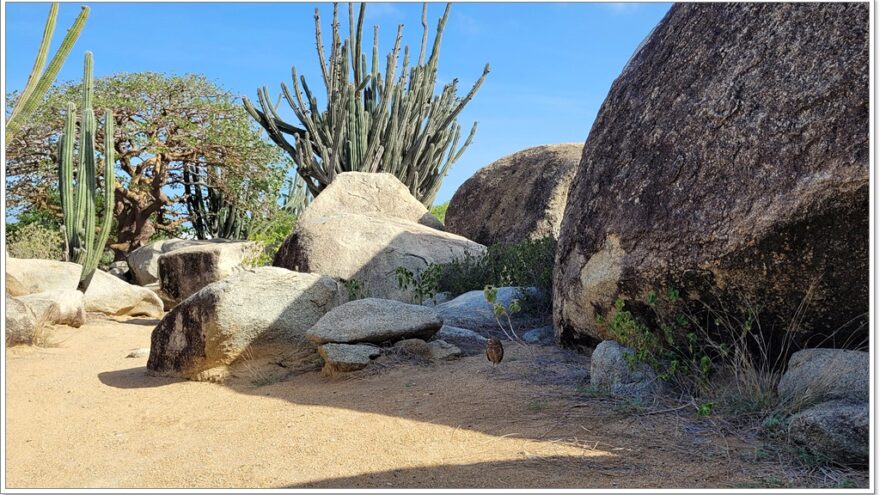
(373, 123)
(39, 81)
(79, 208)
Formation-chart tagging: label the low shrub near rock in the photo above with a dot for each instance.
(35, 241)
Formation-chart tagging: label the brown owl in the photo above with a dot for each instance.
(494, 350)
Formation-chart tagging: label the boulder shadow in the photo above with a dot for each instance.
(135, 378)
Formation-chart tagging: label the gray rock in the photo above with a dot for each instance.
(541, 336)
(441, 350)
(836, 430)
(141, 352)
(21, 324)
(521, 196)
(371, 194)
(58, 307)
(120, 270)
(184, 271)
(730, 158)
(413, 347)
(144, 261)
(817, 375)
(253, 313)
(375, 320)
(471, 310)
(471, 343)
(342, 358)
(369, 249)
(611, 371)
(106, 294)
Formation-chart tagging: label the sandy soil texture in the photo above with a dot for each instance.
(82, 414)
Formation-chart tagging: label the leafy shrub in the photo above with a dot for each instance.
(439, 211)
(34, 240)
(524, 264)
(270, 235)
(423, 284)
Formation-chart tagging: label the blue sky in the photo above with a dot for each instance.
(552, 63)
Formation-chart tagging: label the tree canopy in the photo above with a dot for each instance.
(178, 140)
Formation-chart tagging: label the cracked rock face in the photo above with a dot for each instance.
(249, 314)
(729, 159)
(340, 236)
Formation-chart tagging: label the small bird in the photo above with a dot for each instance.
(494, 351)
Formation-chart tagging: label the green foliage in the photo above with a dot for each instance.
(183, 137)
(502, 314)
(423, 285)
(372, 122)
(439, 211)
(79, 208)
(705, 409)
(33, 240)
(356, 289)
(525, 264)
(39, 80)
(270, 233)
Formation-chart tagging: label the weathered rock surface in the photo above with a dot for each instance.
(471, 310)
(817, 375)
(729, 157)
(837, 430)
(521, 196)
(106, 294)
(365, 226)
(470, 342)
(342, 358)
(21, 324)
(184, 271)
(610, 371)
(369, 249)
(375, 321)
(14, 287)
(541, 336)
(58, 307)
(255, 312)
(413, 347)
(144, 261)
(370, 194)
(440, 350)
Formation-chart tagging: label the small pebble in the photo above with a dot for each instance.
(139, 353)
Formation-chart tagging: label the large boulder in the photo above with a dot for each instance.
(521, 196)
(729, 160)
(144, 261)
(838, 431)
(183, 272)
(21, 323)
(252, 313)
(106, 293)
(373, 194)
(369, 249)
(14, 287)
(58, 307)
(375, 321)
(817, 375)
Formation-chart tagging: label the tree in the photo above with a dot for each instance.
(177, 138)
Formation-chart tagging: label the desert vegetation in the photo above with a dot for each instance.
(680, 301)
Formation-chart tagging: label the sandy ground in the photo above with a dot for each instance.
(81, 414)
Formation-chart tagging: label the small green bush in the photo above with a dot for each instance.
(270, 235)
(524, 264)
(34, 240)
(439, 211)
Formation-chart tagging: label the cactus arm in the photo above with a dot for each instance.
(39, 62)
(65, 179)
(26, 106)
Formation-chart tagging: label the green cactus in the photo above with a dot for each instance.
(38, 80)
(79, 207)
(373, 123)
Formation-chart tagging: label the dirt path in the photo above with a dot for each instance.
(83, 415)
